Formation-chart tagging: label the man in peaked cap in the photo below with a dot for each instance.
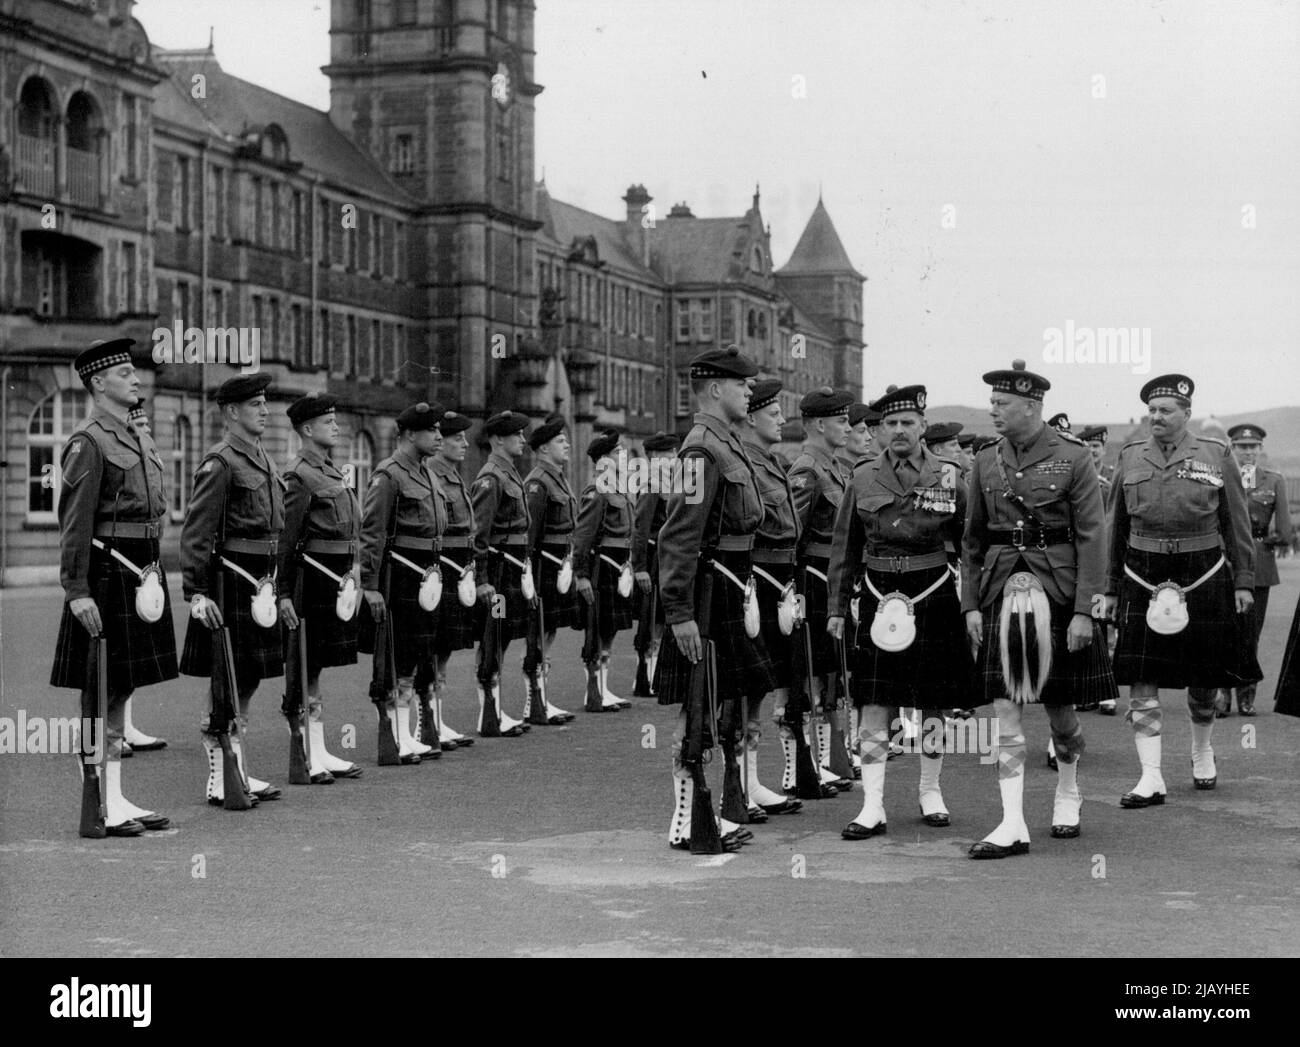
(229, 553)
(1060, 422)
(1033, 577)
(111, 512)
(1270, 527)
(649, 514)
(1095, 436)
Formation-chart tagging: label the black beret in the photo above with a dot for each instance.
(723, 363)
(1018, 381)
(1246, 433)
(313, 405)
(908, 398)
(506, 423)
(873, 415)
(547, 431)
(966, 439)
(764, 393)
(825, 403)
(1060, 422)
(137, 409)
(860, 413)
(243, 387)
(420, 417)
(1179, 386)
(941, 432)
(793, 432)
(1093, 432)
(454, 423)
(985, 441)
(661, 441)
(601, 445)
(103, 355)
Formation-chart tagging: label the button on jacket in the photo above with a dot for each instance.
(237, 494)
(895, 510)
(780, 526)
(318, 504)
(399, 500)
(727, 502)
(552, 509)
(1055, 475)
(819, 484)
(1197, 491)
(108, 472)
(601, 514)
(500, 508)
(460, 514)
(1267, 505)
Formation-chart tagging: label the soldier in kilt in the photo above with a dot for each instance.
(649, 513)
(1033, 576)
(401, 524)
(229, 545)
(709, 530)
(552, 511)
(602, 541)
(322, 521)
(112, 501)
(902, 513)
(772, 566)
(501, 566)
(1179, 516)
(457, 617)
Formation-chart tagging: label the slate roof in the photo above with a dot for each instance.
(563, 223)
(819, 250)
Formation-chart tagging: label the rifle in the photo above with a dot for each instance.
(734, 807)
(490, 665)
(225, 710)
(595, 702)
(840, 764)
(701, 695)
(296, 705)
(383, 673)
(645, 638)
(535, 664)
(807, 781)
(94, 709)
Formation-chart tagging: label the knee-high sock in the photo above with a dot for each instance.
(1145, 716)
(1011, 784)
(873, 746)
(930, 796)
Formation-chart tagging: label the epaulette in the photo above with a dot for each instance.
(1213, 440)
(1134, 443)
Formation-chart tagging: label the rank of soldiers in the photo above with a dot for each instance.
(898, 565)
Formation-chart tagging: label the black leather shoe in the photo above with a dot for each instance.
(517, 731)
(217, 802)
(149, 747)
(154, 822)
(1205, 784)
(741, 835)
(1065, 832)
(844, 785)
(130, 827)
(984, 849)
(1132, 801)
(789, 806)
(1051, 761)
(1246, 708)
(323, 778)
(449, 747)
(271, 792)
(855, 831)
(353, 771)
(127, 751)
(1106, 708)
(729, 844)
(464, 742)
(755, 815)
(938, 820)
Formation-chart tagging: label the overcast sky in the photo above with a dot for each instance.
(996, 169)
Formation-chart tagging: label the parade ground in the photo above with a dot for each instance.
(554, 844)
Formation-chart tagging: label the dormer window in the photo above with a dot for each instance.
(756, 261)
(275, 146)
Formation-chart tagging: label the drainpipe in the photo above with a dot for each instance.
(203, 291)
(4, 500)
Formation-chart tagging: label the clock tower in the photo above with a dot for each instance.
(441, 93)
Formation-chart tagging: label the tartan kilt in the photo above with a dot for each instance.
(743, 665)
(936, 671)
(329, 641)
(457, 628)
(825, 655)
(614, 613)
(414, 628)
(1081, 678)
(645, 628)
(259, 654)
(139, 653)
(780, 648)
(561, 610)
(505, 579)
(1215, 649)
(1287, 696)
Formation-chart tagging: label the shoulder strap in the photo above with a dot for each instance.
(1025, 507)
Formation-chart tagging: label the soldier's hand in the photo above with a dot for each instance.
(206, 611)
(287, 614)
(486, 592)
(1110, 607)
(835, 626)
(583, 585)
(375, 601)
(687, 635)
(1245, 600)
(86, 612)
(975, 631)
(1079, 634)
(643, 580)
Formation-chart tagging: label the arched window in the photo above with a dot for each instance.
(182, 460)
(361, 458)
(37, 145)
(53, 421)
(85, 132)
(762, 326)
(751, 324)
(756, 260)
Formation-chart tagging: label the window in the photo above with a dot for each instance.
(297, 243)
(131, 139)
(683, 319)
(620, 309)
(404, 154)
(728, 322)
(258, 315)
(683, 394)
(404, 12)
(181, 193)
(52, 423)
(321, 350)
(126, 279)
(259, 204)
(181, 304)
(751, 324)
(273, 324)
(326, 220)
(378, 257)
(756, 260)
(387, 362)
(762, 326)
(350, 360)
(301, 355)
(182, 469)
(372, 364)
(706, 319)
(445, 23)
(361, 456)
(399, 349)
(217, 307)
(503, 18)
(217, 203)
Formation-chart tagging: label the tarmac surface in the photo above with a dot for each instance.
(554, 844)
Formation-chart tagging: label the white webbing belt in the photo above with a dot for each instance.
(779, 586)
(1184, 588)
(742, 586)
(919, 596)
(244, 574)
(139, 573)
(323, 569)
(408, 563)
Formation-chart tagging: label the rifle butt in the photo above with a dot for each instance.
(705, 838)
(641, 689)
(807, 782)
(387, 754)
(235, 790)
(537, 715)
(92, 818)
(299, 767)
(840, 764)
(428, 722)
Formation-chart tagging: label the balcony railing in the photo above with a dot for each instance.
(36, 165)
(83, 177)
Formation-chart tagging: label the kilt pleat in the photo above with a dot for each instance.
(258, 651)
(825, 655)
(1214, 650)
(330, 642)
(516, 610)
(562, 610)
(780, 648)
(457, 625)
(139, 653)
(614, 613)
(414, 628)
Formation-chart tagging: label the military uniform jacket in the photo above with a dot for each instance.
(108, 472)
(455, 499)
(819, 484)
(780, 526)
(727, 502)
(1197, 491)
(237, 494)
(318, 503)
(552, 509)
(1267, 503)
(601, 515)
(648, 517)
(1055, 475)
(400, 500)
(893, 511)
(500, 508)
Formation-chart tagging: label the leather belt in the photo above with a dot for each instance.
(821, 550)
(514, 540)
(411, 541)
(734, 543)
(1038, 537)
(556, 536)
(256, 546)
(1191, 543)
(330, 547)
(455, 541)
(773, 554)
(613, 543)
(903, 564)
(129, 529)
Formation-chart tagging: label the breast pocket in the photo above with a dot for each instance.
(335, 501)
(1138, 490)
(1045, 491)
(251, 499)
(742, 506)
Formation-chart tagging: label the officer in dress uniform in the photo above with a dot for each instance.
(1270, 526)
(1033, 579)
(501, 565)
(457, 628)
(229, 554)
(819, 483)
(1179, 516)
(552, 511)
(401, 525)
(602, 546)
(773, 569)
(318, 550)
(648, 516)
(901, 523)
(112, 505)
